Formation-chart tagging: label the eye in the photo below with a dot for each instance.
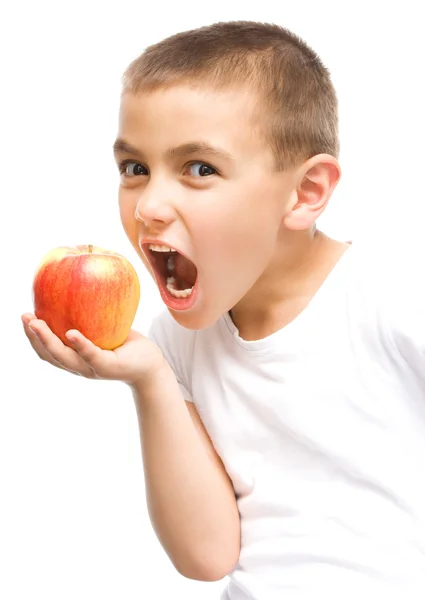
(200, 169)
(129, 168)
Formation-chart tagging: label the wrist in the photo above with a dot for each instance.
(151, 378)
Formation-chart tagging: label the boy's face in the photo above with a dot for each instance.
(222, 209)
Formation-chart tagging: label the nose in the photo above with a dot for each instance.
(154, 207)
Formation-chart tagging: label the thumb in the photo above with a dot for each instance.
(89, 352)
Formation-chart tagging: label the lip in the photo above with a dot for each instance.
(178, 304)
(144, 243)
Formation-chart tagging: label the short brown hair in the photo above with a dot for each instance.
(295, 92)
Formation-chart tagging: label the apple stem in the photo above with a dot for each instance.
(90, 248)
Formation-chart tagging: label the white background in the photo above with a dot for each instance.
(73, 518)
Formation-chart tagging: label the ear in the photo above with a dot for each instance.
(317, 180)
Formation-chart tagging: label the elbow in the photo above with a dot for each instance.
(210, 566)
(210, 573)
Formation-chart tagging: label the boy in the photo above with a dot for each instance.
(280, 395)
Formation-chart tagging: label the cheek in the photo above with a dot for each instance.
(127, 210)
(238, 242)
(237, 226)
(235, 249)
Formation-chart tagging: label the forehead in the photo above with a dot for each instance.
(181, 113)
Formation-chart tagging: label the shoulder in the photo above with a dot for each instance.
(390, 274)
(184, 348)
(393, 270)
(165, 328)
(388, 269)
(176, 342)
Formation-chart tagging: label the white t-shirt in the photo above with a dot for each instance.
(321, 427)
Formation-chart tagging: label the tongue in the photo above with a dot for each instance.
(184, 271)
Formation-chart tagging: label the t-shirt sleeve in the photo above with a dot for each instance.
(177, 345)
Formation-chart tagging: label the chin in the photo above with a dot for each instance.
(197, 319)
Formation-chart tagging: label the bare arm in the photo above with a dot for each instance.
(190, 497)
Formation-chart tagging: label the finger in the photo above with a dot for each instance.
(66, 357)
(27, 317)
(35, 341)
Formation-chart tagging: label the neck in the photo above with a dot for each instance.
(296, 272)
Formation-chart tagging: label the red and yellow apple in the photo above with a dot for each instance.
(88, 288)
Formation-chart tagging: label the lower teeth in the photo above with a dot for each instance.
(171, 282)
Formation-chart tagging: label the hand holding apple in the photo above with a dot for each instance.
(136, 362)
(90, 289)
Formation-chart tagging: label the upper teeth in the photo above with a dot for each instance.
(158, 248)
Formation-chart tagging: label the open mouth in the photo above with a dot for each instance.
(175, 274)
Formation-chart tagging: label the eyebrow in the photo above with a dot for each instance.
(121, 145)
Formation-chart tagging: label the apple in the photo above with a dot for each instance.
(88, 288)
